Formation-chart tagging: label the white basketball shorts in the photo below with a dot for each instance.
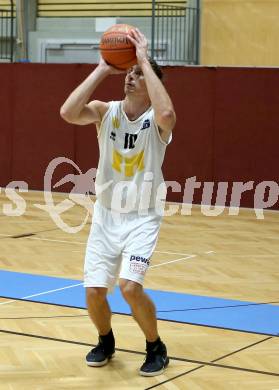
(119, 245)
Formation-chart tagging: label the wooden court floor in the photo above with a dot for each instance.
(43, 346)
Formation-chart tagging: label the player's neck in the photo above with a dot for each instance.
(135, 106)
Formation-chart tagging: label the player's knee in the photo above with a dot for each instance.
(131, 291)
(96, 294)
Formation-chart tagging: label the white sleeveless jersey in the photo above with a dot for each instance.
(129, 176)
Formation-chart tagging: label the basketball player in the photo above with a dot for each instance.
(132, 135)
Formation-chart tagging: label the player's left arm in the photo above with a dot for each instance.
(162, 105)
(160, 100)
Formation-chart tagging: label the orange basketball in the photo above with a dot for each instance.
(116, 49)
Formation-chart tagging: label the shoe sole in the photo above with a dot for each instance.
(100, 364)
(155, 373)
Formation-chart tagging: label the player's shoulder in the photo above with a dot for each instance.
(101, 106)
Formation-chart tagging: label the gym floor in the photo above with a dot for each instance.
(214, 281)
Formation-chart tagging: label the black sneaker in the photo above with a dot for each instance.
(156, 361)
(99, 356)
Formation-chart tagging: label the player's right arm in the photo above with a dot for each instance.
(77, 109)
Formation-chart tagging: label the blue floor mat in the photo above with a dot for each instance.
(186, 308)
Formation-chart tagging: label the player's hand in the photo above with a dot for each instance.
(140, 42)
(109, 69)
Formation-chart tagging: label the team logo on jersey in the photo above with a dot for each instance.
(115, 122)
(146, 124)
(128, 165)
(112, 135)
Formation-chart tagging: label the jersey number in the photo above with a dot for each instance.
(130, 140)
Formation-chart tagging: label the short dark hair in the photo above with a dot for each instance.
(157, 69)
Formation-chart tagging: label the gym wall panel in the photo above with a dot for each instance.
(190, 152)
(39, 133)
(246, 127)
(227, 124)
(6, 126)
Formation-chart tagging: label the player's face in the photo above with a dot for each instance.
(134, 81)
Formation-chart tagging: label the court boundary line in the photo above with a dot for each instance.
(212, 361)
(84, 243)
(44, 317)
(43, 293)
(218, 307)
(175, 377)
(243, 349)
(158, 311)
(142, 353)
(81, 283)
(173, 261)
(29, 236)
(159, 319)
